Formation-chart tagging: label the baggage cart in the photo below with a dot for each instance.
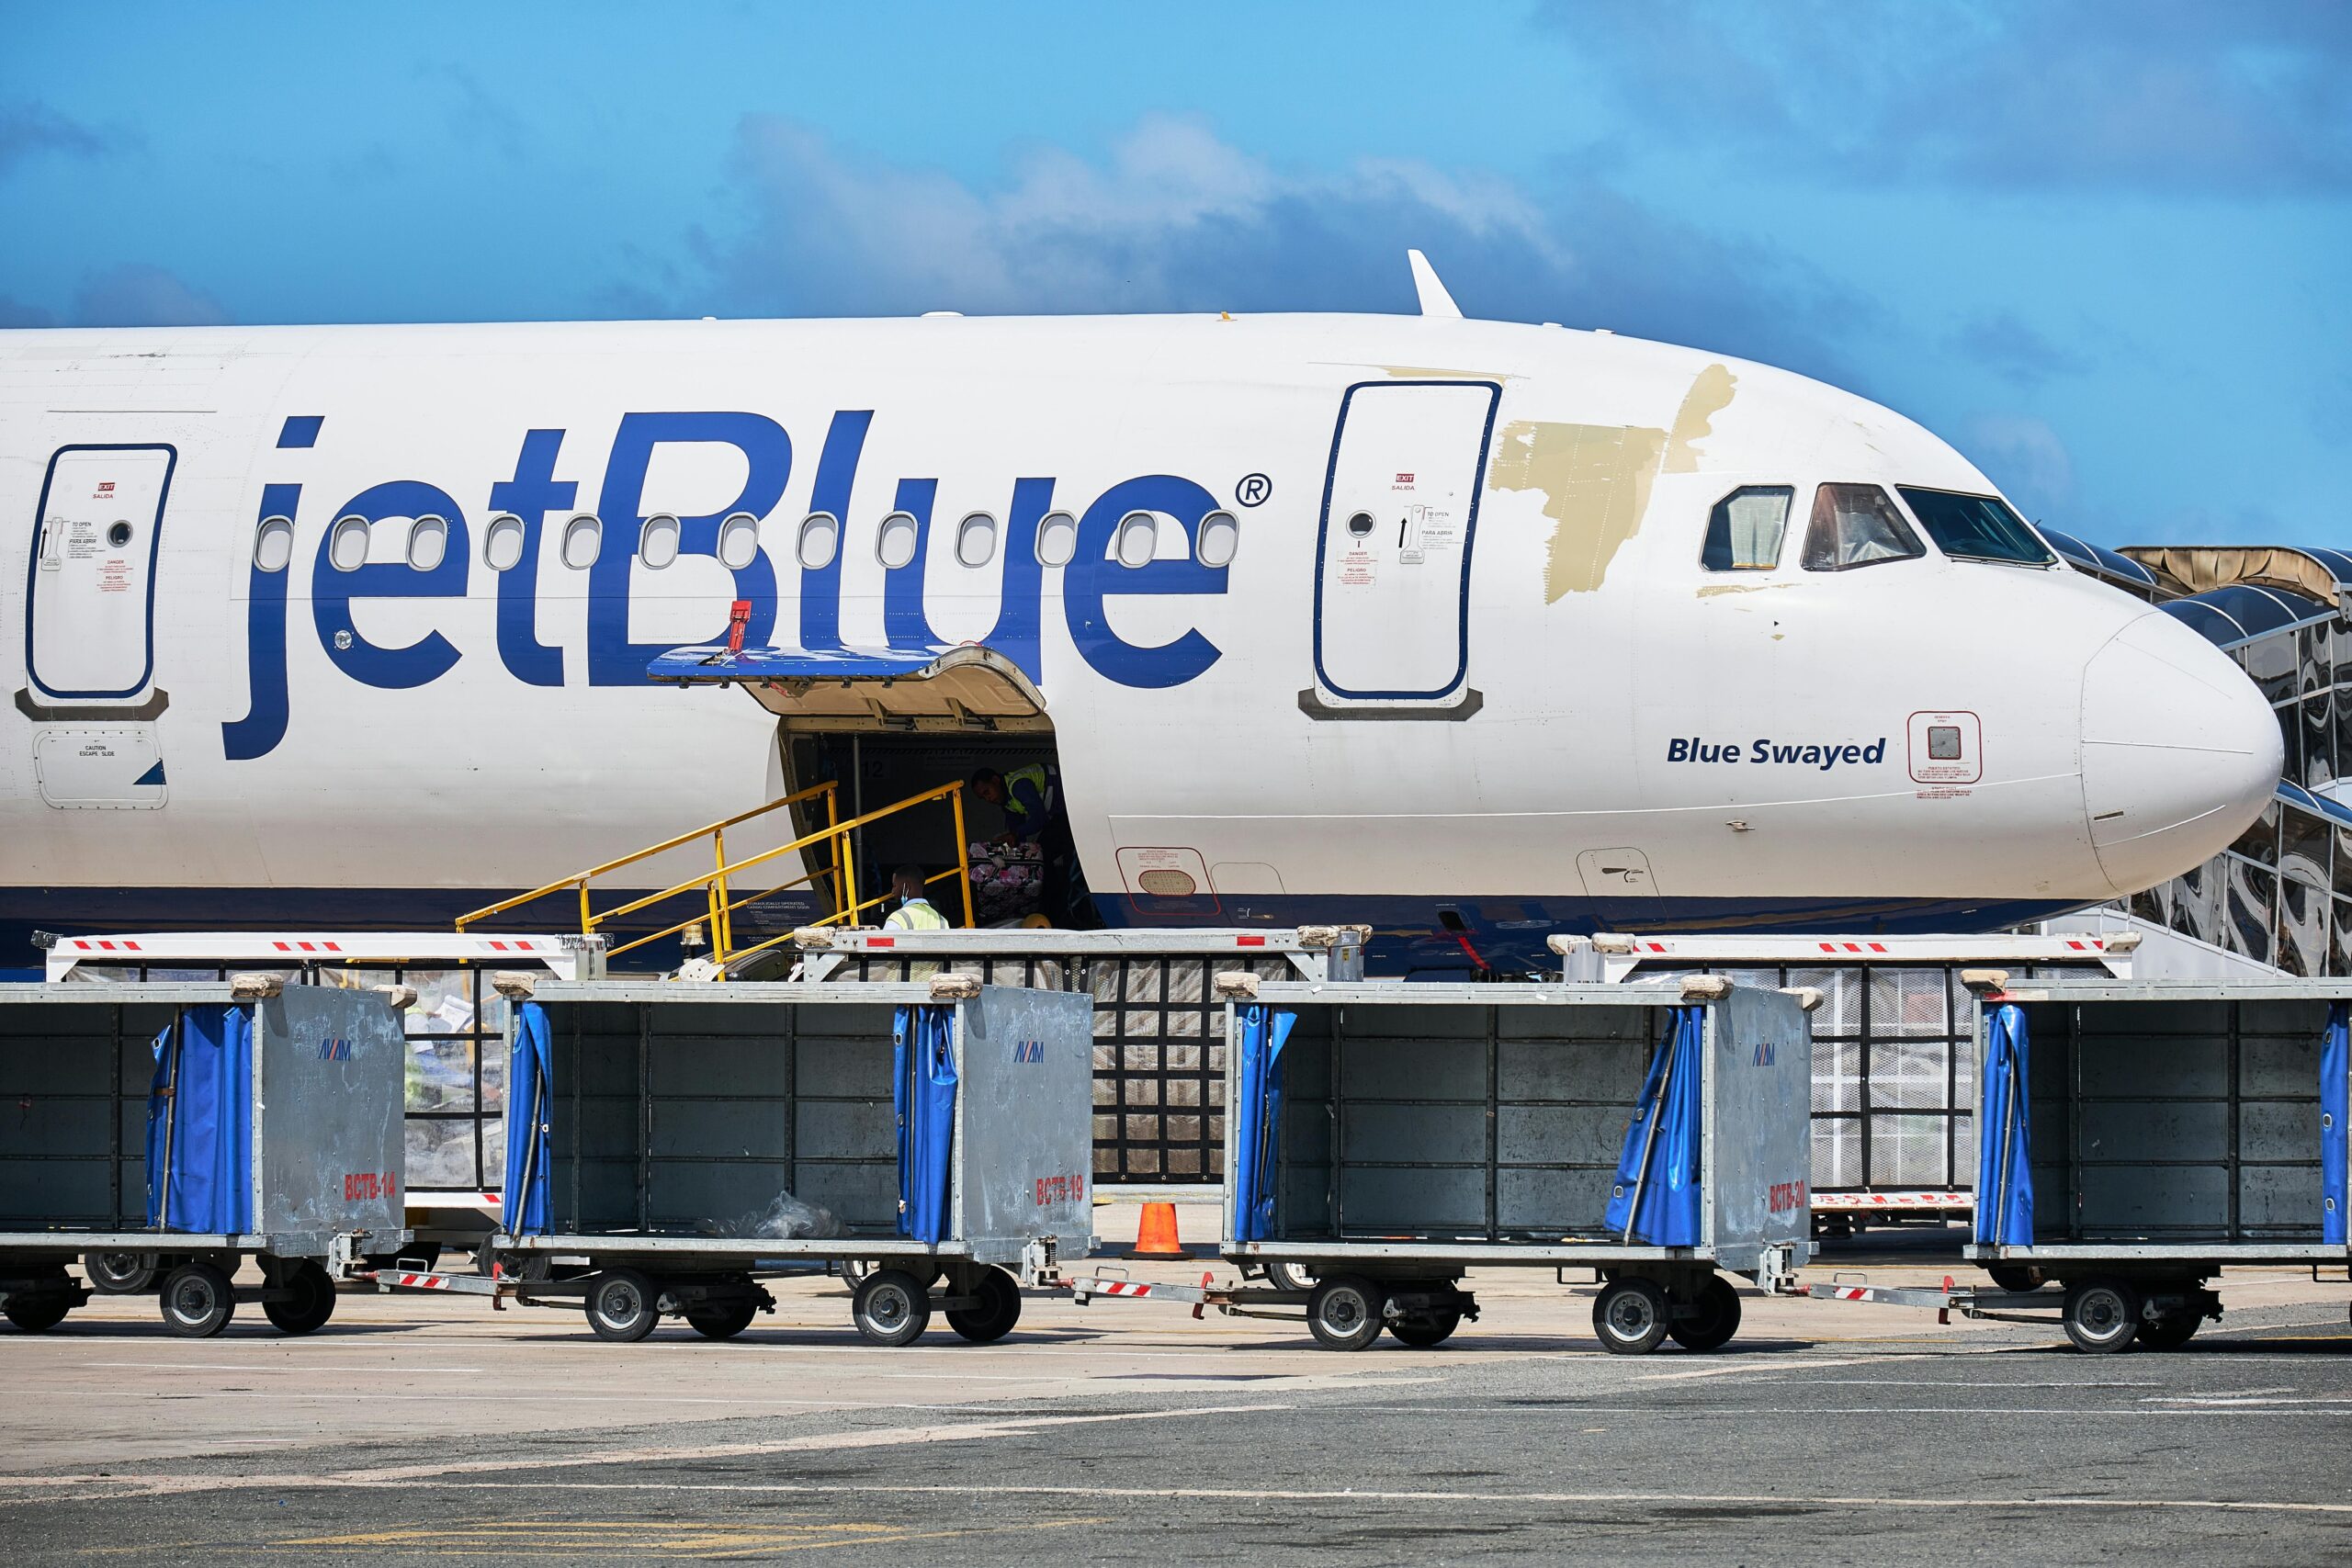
(1159, 1049)
(162, 1134)
(658, 1133)
(1386, 1139)
(2135, 1138)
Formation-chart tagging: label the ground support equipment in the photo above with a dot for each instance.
(165, 1134)
(1385, 1140)
(945, 1126)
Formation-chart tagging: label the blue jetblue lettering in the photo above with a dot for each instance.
(1091, 581)
(612, 658)
(1092, 577)
(530, 495)
(903, 623)
(264, 726)
(332, 592)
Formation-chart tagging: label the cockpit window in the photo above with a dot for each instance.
(1975, 527)
(1856, 525)
(1744, 531)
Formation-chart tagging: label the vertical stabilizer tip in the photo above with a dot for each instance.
(1435, 300)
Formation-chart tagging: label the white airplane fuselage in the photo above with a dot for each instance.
(1516, 703)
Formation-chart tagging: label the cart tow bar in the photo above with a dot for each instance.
(1085, 1289)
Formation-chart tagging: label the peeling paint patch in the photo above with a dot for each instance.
(1711, 392)
(1596, 478)
(1712, 590)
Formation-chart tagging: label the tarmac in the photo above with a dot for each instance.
(415, 1427)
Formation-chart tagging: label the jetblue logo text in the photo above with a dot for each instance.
(548, 488)
(1822, 754)
(1788, 1196)
(1028, 1050)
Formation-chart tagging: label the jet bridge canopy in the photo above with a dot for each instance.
(960, 687)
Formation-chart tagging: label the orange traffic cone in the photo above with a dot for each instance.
(1156, 1235)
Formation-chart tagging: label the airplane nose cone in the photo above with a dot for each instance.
(2180, 752)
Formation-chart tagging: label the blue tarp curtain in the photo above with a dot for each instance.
(1655, 1199)
(1257, 1119)
(530, 1143)
(923, 1058)
(2335, 1113)
(201, 1122)
(2004, 1166)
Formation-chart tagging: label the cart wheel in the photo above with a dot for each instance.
(309, 1306)
(2015, 1276)
(197, 1301)
(723, 1321)
(999, 1310)
(119, 1273)
(1423, 1329)
(2171, 1331)
(1630, 1316)
(33, 1313)
(1290, 1276)
(1718, 1319)
(623, 1305)
(891, 1307)
(1344, 1313)
(2102, 1314)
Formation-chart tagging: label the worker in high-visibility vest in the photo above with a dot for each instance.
(1030, 799)
(914, 913)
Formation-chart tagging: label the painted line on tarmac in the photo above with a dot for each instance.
(408, 1474)
(1740, 1369)
(1368, 1494)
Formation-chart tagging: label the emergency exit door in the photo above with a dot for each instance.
(1392, 567)
(90, 613)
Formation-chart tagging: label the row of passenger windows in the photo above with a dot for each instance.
(1136, 541)
(1856, 525)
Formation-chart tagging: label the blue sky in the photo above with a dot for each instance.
(2104, 248)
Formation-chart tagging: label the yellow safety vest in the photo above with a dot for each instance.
(917, 915)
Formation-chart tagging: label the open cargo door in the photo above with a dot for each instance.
(962, 688)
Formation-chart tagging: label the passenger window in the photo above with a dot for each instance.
(739, 541)
(976, 539)
(428, 542)
(1057, 538)
(820, 537)
(347, 550)
(1744, 530)
(657, 545)
(1856, 525)
(502, 542)
(1219, 540)
(895, 546)
(1138, 539)
(583, 541)
(273, 543)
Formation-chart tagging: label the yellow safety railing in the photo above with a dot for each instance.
(720, 900)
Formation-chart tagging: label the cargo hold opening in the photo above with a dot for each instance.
(885, 726)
